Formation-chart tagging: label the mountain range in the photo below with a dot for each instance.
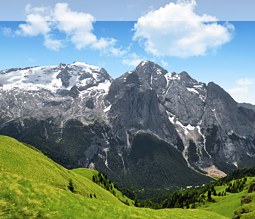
(147, 129)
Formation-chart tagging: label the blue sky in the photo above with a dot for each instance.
(209, 50)
(112, 10)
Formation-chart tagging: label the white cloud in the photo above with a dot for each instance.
(37, 21)
(244, 91)
(175, 30)
(245, 82)
(52, 44)
(77, 26)
(118, 51)
(103, 43)
(164, 63)
(34, 26)
(71, 21)
(132, 60)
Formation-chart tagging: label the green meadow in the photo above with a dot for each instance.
(33, 186)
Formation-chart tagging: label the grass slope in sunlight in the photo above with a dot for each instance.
(232, 202)
(33, 186)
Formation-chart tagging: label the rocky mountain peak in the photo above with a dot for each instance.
(149, 67)
(58, 79)
(216, 94)
(184, 76)
(79, 106)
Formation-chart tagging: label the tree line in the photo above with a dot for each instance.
(194, 197)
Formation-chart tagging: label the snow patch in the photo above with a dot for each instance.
(86, 66)
(171, 76)
(107, 108)
(201, 97)
(104, 86)
(198, 85)
(128, 141)
(230, 132)
(172, 119)
(45, 77)
(250, 155)
(123, 163)
(235, 163)
(92, 166)
(143, 63)
(106, 150)
(190, 127)
(198, 89)
(187, 132)
(101, 156)
(187, 128)
(158, 72)
(204, 140)
(192, 90)
(151, 80)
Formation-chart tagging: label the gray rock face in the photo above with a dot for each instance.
(134, 99)
(245, 105)
(185, 98)
(233, 127)
(80, 116)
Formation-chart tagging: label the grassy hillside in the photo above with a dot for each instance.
(33, 186)
(18, 159)
(224, 205)
(236, 204)
(232, 196)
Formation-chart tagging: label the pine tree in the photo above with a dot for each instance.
(70, 185)
(209, 195)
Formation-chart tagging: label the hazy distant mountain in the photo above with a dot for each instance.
(146, 129)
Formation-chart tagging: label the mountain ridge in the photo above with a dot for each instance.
(88, 119)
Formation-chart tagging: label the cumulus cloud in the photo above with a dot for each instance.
(164, 63)
(37, 21)
(52, 44)
(77, 26)
(244, 90)
(176, 30)
(132, 60)
(118, 51)
(34, 26)
(245, 82)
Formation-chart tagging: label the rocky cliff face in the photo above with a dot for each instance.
(148, 123)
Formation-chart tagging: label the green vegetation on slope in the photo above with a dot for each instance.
(231, 196)
(33, 186)
(247, 208)
(237, 203)
(155, 157)
(18, 159)
(103, 181)
(224, 205)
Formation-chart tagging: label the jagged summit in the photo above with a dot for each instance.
(149, 67)
(152, 74)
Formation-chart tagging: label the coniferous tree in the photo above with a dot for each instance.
(70, 185)
(209, 195)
